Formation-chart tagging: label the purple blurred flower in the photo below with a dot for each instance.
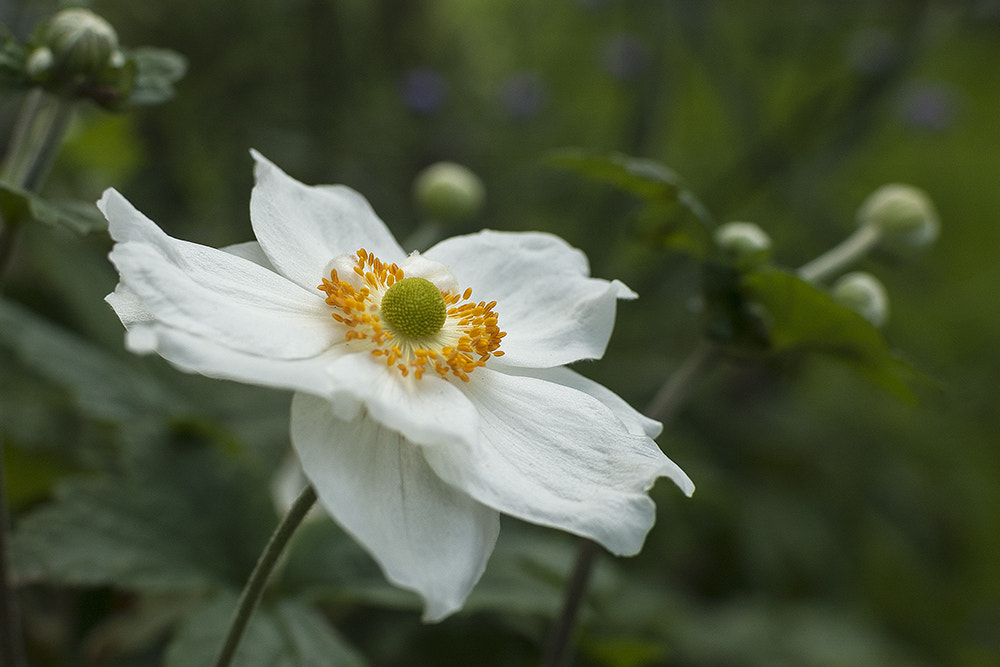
(928, 106)
(424, 91)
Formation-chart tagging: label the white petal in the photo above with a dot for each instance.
(552, 311)
(301, 228)
(636, 422)
(194, 354)
(426, 536)
(249, 250)
(215, 294)
(419, 266)
(558, 457)
(429, 411)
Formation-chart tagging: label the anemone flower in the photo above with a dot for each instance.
(431, 389)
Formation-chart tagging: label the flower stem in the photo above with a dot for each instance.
(664, 407)
(557, 651)
(671, 395)
(254, 588)
(838, 258)
(38, 134)
(11, 646)
(36, 138)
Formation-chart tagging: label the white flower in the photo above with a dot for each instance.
(420, 413)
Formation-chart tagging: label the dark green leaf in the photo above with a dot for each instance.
(643, 178)
(30, 474)
(803, 318)
(287, 633)
(12, 76)
(625, 651)
(157, 72)
(104, 386)
(671, 213)
(182, 518)
(80, 217)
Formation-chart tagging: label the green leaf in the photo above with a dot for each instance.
(12, 76)
(182, 518)
(104, 386)
(79, 217)
(643, 178)
(624, 651)
(659, 188)
(30, 474)
(804, 318)
(157, 72)
(287, 633)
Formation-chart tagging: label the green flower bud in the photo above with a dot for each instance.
(448, 192)
(743, 243)
(81, 42)
(39, 64)
(864, 294)
(903, 214)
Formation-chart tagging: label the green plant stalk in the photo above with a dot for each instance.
(38, 134)
(254, 589)
(838, 258)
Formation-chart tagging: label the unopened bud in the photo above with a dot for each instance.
(39, 63)
(864, 294)
(448, 192)
(743, 243)
(81, 42)
(903, 214)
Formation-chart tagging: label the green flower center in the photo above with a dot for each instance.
(414, 307)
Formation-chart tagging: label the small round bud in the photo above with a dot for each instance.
(903, 214)
(39, 63)
(864, 294)
(448, 192)
(82, 43)
(743, 243)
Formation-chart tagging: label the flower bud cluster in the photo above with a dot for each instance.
(76, 46)
(900, 218)
(76, 54)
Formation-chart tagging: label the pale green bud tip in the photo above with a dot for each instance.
(414, 307)
(81, 41)
(743, 243)
(448, 192)
(864, 294)
(40, 62)
(904, 214)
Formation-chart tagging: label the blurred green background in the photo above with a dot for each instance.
(833, 523)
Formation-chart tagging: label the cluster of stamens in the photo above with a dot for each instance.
(468, 337)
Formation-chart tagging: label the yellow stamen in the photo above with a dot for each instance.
(469, 336)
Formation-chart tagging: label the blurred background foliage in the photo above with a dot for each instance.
(833, 523)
